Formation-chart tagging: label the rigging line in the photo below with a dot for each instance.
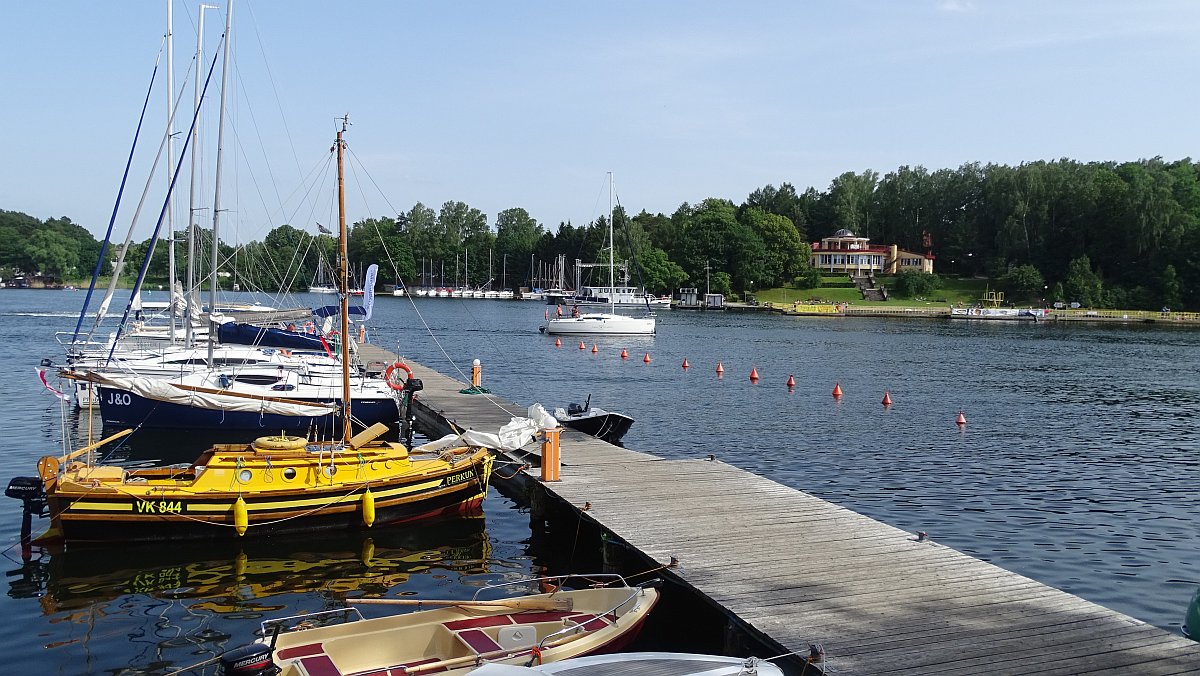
(274, 88)
(120, 191)
(258, 133)
(166, 202)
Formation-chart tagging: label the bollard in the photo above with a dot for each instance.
(550, 456)
(476, 374)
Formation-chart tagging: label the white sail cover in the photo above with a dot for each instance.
(515, 434)
(162, 390)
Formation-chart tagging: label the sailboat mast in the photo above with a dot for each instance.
(612, 251)
(212, 288)
(171, 168)
(343, 290)
(192, 299)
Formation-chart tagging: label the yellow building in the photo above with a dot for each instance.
(844, 253)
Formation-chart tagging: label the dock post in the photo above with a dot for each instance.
(550, 459)
(476, 374)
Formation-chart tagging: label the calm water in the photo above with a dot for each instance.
(1077, 467)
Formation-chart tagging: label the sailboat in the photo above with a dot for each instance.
(604, 323)
(276, 483)
(320, 285)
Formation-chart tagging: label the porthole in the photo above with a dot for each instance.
(329, 471)
(245, 475)
(289, 473)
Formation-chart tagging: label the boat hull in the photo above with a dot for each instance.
(123, 408)
(601, 324)
(110, 511)
(610, 427)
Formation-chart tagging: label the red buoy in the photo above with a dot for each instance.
(547, 313)
(887, 398)
(646, 358)
(624, 354)
(558, 342)
(720, 369)
(837, 391)
(961, 419)
(685, 364)
(753, 375)
(791, 381)
(595, 349)
(582, 346)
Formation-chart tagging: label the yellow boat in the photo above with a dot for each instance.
(454, 639)
(275, 484)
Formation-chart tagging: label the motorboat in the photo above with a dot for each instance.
(657, 663)
(599, 423)
(573, 616)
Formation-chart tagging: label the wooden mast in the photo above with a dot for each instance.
(343, 288)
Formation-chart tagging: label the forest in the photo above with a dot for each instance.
(1102, 234)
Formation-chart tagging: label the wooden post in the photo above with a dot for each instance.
(550, 459)
(476, 374)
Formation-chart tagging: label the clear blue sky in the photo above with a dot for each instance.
(528, 104)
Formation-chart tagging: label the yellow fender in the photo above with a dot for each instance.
(241, 516)
(368, 508)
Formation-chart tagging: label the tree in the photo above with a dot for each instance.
(1024, 282)
(517, 236)
(785, 256)
(850, 194)
(1081, 284)
(915, 284)
(661, 275)
(52, 253)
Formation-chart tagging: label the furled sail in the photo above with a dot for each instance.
(162, 390)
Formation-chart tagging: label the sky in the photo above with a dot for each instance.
(530, 103)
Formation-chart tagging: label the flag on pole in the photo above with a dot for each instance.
(369, 290)
(42, 376)
(323, 230)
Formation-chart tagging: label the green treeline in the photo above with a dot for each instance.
(1101, 233)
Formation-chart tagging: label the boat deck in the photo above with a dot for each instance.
(799, 570)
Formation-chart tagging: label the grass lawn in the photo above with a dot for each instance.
(963, 291)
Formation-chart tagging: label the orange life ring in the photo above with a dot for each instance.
(387, 375)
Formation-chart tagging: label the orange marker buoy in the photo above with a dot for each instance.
(624, 353)
(887, 398)
(685, 364)
(720, 369)
(646, 358)
(791, 381)
(753, 375)
(558, 342)
(595, 349)
(961, 419)
(837, 391)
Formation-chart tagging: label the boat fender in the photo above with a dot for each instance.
(397, 385)
(368, 508)
(248, 660)
(241, 517)
(280, 443)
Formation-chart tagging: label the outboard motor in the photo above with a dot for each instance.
(249, 660)
(29, 490)
(574, 409)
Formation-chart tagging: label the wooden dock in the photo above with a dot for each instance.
(797, 570)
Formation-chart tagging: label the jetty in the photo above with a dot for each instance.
(843, 592)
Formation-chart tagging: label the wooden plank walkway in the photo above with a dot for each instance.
(799, 570)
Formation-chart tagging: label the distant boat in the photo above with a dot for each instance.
(604, 323)
(604, 425)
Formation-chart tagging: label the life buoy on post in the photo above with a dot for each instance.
(394, 384)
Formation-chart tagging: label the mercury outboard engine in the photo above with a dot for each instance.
(29, 490)
(249, 660)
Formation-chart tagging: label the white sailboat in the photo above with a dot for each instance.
(604, 323)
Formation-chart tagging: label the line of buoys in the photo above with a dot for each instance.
(624, 353)
(791, 383)
(558, 342)
(646, 358)
(685, 364)
(595, 348)
(720, 369)
(753, 374)
(961, 420)
(837, 390)
(887, 399)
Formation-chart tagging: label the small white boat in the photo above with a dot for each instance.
(459, 635)
(658, 664)
(601, 323)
